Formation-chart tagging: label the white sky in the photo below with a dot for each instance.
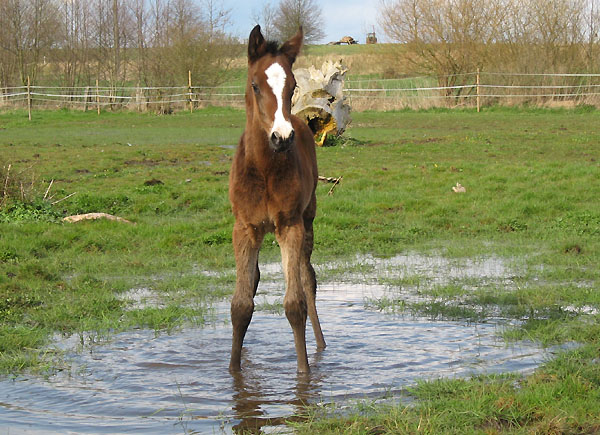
(342, 17)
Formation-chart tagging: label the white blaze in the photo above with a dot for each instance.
(276, 79)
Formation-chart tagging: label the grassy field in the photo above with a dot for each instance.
(532, 182)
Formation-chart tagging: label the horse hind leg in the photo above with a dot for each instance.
(309, 283)
(310, 289)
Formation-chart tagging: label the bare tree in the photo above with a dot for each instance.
(71, 56)
(183, 32)
(188, 36)
(216, 18)
(101, 38)
(456, 36)
(291, 14)
(29, 31)
(116, 42)
(540, 35)
(158, 40)
(266, 18)
(446, 37)
(140, 16)
(593, 34)
(557, 26)
(8, 58)
(217, 49)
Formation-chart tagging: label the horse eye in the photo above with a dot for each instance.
(255, 88)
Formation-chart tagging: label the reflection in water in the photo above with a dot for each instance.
(139, 382)
(249, 400)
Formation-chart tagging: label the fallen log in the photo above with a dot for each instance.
(319, 99)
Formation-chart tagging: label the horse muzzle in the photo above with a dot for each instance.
(280, 144)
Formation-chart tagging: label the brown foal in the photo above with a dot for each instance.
(272, 189)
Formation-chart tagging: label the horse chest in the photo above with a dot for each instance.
(267, 197)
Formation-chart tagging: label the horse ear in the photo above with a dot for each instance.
(256, 44)
(292, 47)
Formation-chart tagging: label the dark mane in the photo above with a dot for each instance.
(272, 47)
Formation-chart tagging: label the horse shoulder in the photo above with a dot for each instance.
(247, 187)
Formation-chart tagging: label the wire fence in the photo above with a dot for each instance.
(477, 89)
(162, 98)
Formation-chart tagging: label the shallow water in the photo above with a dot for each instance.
(139, 382)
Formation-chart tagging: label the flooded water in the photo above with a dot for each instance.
(140, 382)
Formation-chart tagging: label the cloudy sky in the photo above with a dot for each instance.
(344, 17)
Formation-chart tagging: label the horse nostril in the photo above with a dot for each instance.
(279, 143)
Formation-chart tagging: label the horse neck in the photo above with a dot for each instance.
(256, 142)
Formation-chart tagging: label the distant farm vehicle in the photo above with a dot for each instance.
(371, 38)
(345, 40)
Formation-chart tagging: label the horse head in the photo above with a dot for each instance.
(271, 85)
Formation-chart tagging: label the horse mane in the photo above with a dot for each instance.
(272, 47)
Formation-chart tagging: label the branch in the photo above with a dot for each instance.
(6, 182)
(94, 216)
(333, 180)
(48, 189)
(328, 179)
(66, 197)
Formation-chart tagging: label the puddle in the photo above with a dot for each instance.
(139, 382)
(434, 270)
(141, 297)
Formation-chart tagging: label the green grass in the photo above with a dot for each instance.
(532, 180)
(564, 397)
(344, 49)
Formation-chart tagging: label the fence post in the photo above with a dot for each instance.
(478, 93)
(190, 91)
(97, 98)
(29, 97)
(85, 98)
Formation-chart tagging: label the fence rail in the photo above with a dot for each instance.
(475, 89)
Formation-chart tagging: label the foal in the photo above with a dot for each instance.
(272, 189)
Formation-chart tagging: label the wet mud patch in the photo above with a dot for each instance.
(141, 382)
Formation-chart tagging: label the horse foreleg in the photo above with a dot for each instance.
(246, 246)
(309, 283)
(290, 240)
